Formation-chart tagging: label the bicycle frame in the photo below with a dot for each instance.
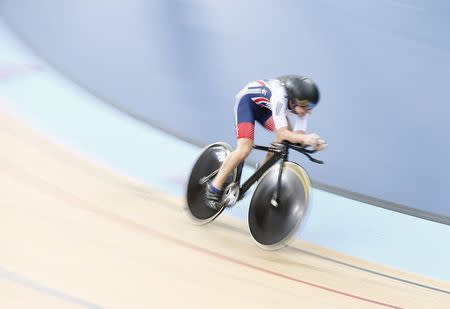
(280, 152)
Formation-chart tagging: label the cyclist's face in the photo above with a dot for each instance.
(299, 110)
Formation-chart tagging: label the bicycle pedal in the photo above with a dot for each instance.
(231, 194)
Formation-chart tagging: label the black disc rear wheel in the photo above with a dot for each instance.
(209, 161)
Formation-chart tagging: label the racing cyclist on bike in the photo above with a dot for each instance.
(268, 102)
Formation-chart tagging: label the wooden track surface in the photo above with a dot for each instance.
(74, 234)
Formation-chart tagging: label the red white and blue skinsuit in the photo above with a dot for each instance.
(266, 102)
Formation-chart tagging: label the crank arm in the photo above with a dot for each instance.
(203, 180)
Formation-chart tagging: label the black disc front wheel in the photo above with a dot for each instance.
(272, 226)
(209, 161)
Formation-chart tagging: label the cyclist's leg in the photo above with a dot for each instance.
(264, 117)
(245, 127)
(244, 147)
(266, 120)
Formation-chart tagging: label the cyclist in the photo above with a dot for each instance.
(268, 102)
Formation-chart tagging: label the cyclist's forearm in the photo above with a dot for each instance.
(293, 137)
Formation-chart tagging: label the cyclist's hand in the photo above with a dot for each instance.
(314, 140)
(321, 145)
(311, 139)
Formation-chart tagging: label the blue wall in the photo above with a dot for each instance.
(383, 68)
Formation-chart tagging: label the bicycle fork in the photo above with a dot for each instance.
(275, 201)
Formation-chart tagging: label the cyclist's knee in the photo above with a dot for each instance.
(244, 148)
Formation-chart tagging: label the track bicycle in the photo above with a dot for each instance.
(279, 203)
